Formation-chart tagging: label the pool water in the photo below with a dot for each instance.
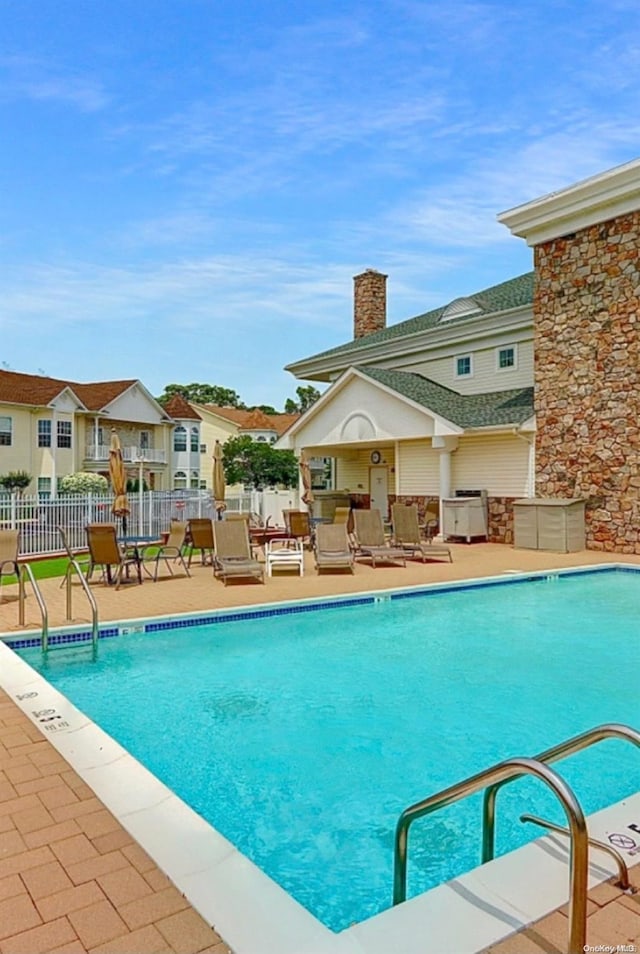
(301, 737)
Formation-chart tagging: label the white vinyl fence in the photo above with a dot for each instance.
(38, 518)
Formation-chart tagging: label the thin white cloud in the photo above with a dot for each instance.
(34, 79)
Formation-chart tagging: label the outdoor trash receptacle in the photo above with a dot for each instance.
(549, 524)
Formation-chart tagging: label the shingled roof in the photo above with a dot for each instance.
(38, 390)
(255, 419)
(512, 407)
(179, 408)
(516, 292)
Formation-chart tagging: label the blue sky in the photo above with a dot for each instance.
(188, 188)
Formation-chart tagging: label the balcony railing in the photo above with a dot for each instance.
(131, 455)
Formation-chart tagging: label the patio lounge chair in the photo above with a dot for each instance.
(200, 533)
(233, 551)
(105, 551)
(332, 547)
(406, 534)
(370, 539)
(9, 544)
(172, 549)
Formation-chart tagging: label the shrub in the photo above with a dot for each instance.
(84, 483)
(15, 480)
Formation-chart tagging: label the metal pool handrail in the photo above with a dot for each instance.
(497, 774)
(609, 730)
(623, 871)
(26, 569)
(73, 564)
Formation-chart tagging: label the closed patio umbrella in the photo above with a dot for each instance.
(305, 474)
(219, 485)
(118, 477)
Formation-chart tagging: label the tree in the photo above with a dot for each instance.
(307, 395)
(257, 464)
(265, 408)
(84, 483)
(202, 394)
(15, 480)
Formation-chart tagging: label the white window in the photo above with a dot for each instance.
(203, 485)
(195, 480)
(5, 431)
(44, 486)
(145, 440)
(203, 448)
(44, 434)
(463, 366)
(506, 358)
(99, 433)
(180, 439)
(180, 480)
(195, 440)
(64, 433)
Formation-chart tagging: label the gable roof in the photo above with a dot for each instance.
(466, 410)
(98, 394)
(33, 389)
(515, 293)
(253, 420)
(36, 390)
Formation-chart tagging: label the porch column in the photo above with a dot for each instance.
(445, 447)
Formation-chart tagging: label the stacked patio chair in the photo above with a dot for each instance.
(370, 539)
(406, 534)
(233, 558)
(106, 552)
(332, 549)
(282, 554)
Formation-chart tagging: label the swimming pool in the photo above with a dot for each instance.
(312, 730)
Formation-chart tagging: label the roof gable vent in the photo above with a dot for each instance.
(460, 308)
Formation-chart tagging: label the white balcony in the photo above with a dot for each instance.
(131, 455)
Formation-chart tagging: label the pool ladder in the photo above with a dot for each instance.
(491, 781)
(26, 573)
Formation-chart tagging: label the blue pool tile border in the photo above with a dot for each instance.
(224, 616)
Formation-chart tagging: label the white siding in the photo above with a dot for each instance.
(418, 468)
(497, 464)
(354, 470)
(485, 376)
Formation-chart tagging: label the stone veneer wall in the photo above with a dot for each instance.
(369, 303)
(587, 376)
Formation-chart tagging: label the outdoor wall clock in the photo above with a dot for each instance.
(376, 457)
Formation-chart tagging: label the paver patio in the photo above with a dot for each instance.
(72, 879)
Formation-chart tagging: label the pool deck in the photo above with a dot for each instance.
(73, 880)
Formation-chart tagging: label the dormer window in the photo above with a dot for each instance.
(460, 308)
(463, 366)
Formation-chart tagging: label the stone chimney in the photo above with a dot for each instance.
(369, 303)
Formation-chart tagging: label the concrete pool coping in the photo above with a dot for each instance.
(466, 914)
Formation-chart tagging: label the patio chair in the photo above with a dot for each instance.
(370, 540)
(105, 551)
(344, 515)
(406, 534)
(172, 549)
(332, 549)
(300, 526)
(200, 533)
(9, 546)
(283, 554)
(233, 551)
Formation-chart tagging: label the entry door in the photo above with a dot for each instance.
(379, 490)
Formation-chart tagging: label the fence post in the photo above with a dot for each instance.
(14, 505)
